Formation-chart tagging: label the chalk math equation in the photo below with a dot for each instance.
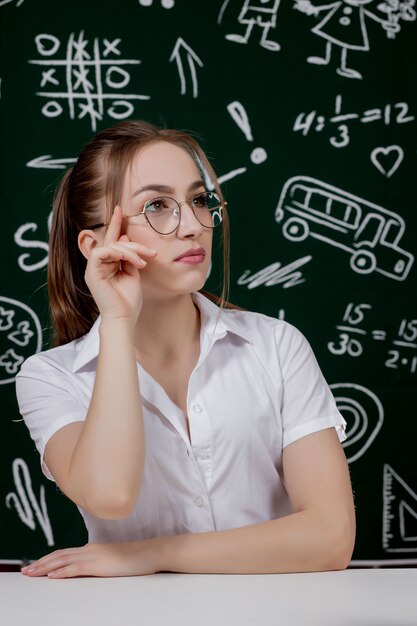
(337, 123)
(352, 335)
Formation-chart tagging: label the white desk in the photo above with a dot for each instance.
(349, 598)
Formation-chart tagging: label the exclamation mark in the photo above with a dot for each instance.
(238, 113)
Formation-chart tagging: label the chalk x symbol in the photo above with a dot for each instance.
(181, 49)
(239, 115)
(47, 162)
(387, 160)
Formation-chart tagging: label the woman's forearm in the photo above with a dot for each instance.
(300, 542)
(108, 460)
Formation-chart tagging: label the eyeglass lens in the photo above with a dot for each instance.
(163, 213)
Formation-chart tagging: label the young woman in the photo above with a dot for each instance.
(193, 437)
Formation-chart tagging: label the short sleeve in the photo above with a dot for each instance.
(47, 402)
(307, 402)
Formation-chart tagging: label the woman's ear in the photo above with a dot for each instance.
(87, 240)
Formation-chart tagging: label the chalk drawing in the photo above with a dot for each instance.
(24, 260)
(344, 26)
(24, 501)
(389, 115)
(403, 347)
(165, 4)
(368, 232)
(397, 10)
(90, 79)
(183, 53)
(364, 415)
(399, 516)
(259, 13)
(354, 332)
(20, 336)
(239, 115)
(18, 2)
(387, 160)
(275, 274)
(46, 161)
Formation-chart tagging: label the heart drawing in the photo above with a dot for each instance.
(387, 160)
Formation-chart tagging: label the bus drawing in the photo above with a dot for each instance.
(370, 233)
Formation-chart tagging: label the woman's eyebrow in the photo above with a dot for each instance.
(165, 188)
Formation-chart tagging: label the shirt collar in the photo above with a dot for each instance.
(215, 324)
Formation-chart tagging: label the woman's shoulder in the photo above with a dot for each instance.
(257, 328)
(55, 359)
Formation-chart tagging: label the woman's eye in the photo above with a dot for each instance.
(156, 206)
(200, 202)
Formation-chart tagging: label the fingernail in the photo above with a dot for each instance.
(51, 574)
(152, 250)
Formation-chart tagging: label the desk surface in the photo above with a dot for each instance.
(368, 597)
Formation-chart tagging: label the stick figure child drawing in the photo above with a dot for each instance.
(344, 25)
(262, 13)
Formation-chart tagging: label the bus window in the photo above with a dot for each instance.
(299, 195)
(346, 212)
(369, 231)
(319, 202)
(392, 232)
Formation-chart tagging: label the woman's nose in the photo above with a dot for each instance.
(189, 224)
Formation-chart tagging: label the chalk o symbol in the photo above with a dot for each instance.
(47, 45)
(364, 414)
(52, 109)
(120, 109)
(117, 77)
(168, 4)
(258, 155)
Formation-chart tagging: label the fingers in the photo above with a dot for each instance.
(115, 226)
(123, 250)
(58, 564)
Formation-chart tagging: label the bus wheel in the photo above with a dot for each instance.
(295, 229)
(363, 262)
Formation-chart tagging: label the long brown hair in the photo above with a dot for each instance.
(100, 173)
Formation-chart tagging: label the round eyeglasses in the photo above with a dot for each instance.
(163, 213)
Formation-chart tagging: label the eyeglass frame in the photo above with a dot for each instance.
(222, 204)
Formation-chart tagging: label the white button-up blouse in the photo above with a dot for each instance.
(256, 388)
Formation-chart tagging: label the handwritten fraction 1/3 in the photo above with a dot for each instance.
(91, 75)
(388, 114)
(352, 335)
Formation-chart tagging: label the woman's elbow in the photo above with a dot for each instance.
(111, 506)
(339, 548)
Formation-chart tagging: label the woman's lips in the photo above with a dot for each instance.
(192, 256)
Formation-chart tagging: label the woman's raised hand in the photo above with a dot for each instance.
(113, 273)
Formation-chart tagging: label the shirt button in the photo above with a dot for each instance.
(197, 408)
(198, 501)
(204, 454)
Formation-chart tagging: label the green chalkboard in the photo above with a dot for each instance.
(308, 113)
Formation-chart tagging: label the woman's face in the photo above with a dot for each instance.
(164, 169)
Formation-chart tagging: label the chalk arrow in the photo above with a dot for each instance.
(181, 49)
(45, 161)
